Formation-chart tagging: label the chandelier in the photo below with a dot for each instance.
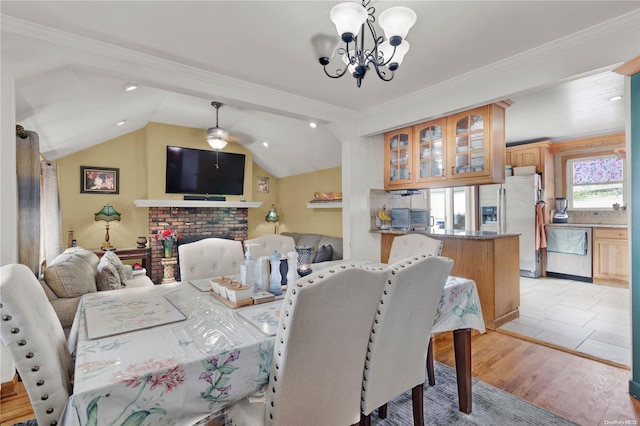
(217, 137)
(385, 56)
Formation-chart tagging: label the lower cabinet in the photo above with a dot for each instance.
(493, 262)
(610, 256)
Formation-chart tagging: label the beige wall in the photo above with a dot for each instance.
(126, 153)
(295, 192)
(140, 157)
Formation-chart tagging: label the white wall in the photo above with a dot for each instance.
(8, 195)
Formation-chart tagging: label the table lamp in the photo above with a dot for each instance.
(108, 214)
(304, 260)
(273, 217)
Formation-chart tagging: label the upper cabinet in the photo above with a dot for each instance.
(398, 157)
(536, 154)
(467, 148)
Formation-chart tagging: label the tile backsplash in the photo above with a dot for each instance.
(606, 217)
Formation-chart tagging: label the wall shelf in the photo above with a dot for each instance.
(327, 205)
(198, 203)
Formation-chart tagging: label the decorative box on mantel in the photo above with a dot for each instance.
(194, 220)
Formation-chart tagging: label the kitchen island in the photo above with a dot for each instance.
(492, 260)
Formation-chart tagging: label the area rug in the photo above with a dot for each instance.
(491, 406)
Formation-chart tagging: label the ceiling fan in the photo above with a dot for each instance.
(217, 137)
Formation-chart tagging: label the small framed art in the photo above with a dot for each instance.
(262, 184)
(99, 180)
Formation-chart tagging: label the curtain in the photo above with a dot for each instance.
(51, 236)
(28, 177)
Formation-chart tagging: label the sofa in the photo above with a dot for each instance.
(78, 271)
(332, 245)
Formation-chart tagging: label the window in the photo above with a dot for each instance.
(449, 207)
(595, 182)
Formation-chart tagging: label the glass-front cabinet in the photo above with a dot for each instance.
(398, 157)
(470, 146)
(430, 157)
(462, 149)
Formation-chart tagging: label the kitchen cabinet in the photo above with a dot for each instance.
(536, 154)
(398, 158)
(467, 148)
(430, 155)
(610, 256)
(490, 259)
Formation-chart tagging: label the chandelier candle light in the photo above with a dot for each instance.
(385, 56)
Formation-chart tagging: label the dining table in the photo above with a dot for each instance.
(173, 354)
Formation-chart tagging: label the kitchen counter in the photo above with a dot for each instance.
(587, 225)
(492, 260)
(450, 233)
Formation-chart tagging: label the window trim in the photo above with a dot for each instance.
(586, 156)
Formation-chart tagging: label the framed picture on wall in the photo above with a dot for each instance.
(99, 180)
(262, 184)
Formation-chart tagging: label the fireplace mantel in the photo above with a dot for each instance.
(196, 203)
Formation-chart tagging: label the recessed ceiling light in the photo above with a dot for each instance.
(130, 86)
(265, 144)
(615, 98)
(120, 123)
(313, 125)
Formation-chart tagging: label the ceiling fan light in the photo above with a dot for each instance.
(396, 22)
(216, 144)
(348, 17)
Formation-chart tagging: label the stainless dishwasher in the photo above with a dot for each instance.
(569, 252)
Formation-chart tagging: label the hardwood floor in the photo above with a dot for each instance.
(583, 390)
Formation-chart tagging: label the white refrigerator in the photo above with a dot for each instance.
(521, 194)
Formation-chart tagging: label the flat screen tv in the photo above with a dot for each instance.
(194, 171)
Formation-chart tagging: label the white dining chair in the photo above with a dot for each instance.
(267, 244)
(33, 336)
(400, 335)
(319, 352)
(210, 257)
(409, 245)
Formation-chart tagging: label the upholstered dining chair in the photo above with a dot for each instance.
(33, 336)
(400, 335)
(409, 245)
(267, 244)
(208, 258)
(319, 352)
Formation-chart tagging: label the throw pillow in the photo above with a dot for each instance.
(107, 278)
(114, 260)
(324, 254)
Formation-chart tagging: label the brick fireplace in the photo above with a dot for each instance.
(194, 223)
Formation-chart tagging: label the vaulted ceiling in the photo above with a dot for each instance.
(70, 59)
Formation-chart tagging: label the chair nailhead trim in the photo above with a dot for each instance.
(15, 330)
(40, 382)
(54, 423)
(6, 317)
(22, 342)
(44, 397)
(49, 410)
(35, 368)
(30, 355)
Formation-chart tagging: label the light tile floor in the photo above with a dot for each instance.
(588, 318)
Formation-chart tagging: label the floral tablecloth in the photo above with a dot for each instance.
(178, 373)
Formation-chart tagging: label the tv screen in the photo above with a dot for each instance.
(194, 171)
